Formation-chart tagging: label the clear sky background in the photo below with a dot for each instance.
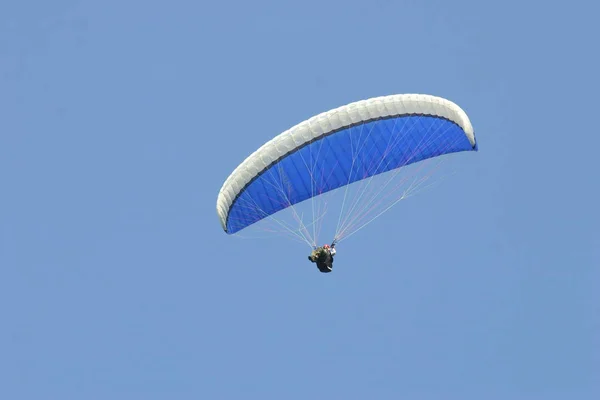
(120, 120)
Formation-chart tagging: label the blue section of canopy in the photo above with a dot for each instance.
(344, 157)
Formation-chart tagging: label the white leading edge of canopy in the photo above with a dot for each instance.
(328, 121)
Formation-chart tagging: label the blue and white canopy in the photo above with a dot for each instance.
(339, 147)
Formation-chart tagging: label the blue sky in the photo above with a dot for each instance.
(120, 120)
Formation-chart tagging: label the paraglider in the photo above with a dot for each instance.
(323, 257)
(362, 146)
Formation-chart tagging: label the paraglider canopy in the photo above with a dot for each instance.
(337, 148)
